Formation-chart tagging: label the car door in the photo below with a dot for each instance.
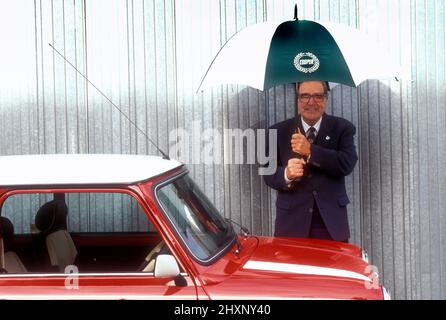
(112, 235)
(94, 286)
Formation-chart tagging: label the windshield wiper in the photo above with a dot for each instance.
(237, 240)
(243, 229)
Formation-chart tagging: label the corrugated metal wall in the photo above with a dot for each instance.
(149, 56)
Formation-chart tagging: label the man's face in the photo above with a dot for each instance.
(311, 101)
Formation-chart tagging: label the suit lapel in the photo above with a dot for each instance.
(323, 136)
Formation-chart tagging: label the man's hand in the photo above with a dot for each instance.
(295, 168)
(300, 144)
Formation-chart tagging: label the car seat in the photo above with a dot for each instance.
(51, 220)
(12, 262)
(148, 264)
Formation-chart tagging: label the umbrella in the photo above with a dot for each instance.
(270, 54)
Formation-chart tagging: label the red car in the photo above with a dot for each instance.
(138, 227)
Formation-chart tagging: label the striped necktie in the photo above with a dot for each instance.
(311, 135)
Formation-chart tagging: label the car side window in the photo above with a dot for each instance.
(106, 212)
(21, 209)
(106, 232)
(87, 212)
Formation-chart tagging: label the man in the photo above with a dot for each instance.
(315, 153)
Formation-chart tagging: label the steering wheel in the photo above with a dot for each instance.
(149, 261)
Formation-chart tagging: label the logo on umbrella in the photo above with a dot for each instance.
(306, 62)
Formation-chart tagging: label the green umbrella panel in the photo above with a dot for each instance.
(304, 51)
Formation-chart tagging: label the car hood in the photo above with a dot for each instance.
(307, 257)
(279, 268)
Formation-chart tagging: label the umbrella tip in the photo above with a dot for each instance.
(295, 12)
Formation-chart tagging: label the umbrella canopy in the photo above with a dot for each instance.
(270, 54)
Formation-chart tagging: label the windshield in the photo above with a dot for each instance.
(198, 222)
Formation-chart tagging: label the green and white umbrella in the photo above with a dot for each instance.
(270, 54)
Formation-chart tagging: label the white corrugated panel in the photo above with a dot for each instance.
(148, 57)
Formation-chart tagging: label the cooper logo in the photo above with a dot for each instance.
(306, 62)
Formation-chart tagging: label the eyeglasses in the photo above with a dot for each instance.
(318, 97)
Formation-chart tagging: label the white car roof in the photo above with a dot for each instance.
(77, 169)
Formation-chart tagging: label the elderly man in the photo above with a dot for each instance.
(315, 152)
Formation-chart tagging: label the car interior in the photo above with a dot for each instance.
(10, 260)
(49, 245)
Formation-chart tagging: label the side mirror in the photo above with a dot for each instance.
(166, 266)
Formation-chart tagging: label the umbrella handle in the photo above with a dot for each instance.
(298, 155)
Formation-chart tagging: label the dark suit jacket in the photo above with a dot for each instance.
(333, 156)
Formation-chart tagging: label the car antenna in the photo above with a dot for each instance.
(165, 156)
